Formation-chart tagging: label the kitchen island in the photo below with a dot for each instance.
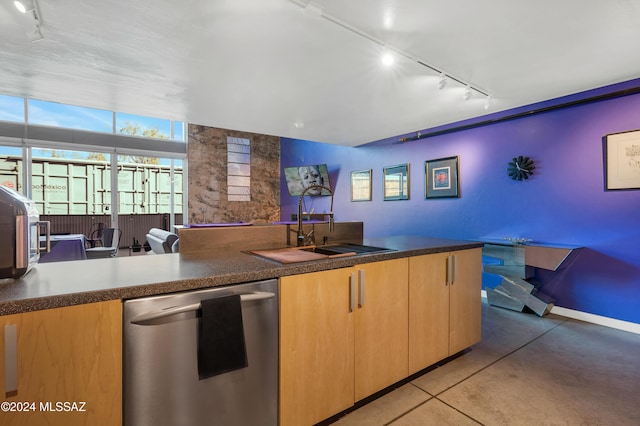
(67, 319)
(62, 284)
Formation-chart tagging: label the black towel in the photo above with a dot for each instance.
(221, 345)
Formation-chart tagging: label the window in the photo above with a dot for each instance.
(11, 108)
(54, 114)
(145, 186)
(11, 168)
(137, 125)
(66, 182)
(68, 116)
(179, 131)
(238, 169)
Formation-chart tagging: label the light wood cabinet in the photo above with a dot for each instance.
(316, 346)
(381, 332)
(444, 305)
(68, 359)
(343, 336)
(428, 310)
(465, 304)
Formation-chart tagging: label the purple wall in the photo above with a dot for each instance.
(564, 202)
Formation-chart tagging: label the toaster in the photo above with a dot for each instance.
(20, 230)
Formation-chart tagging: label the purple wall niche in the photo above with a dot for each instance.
(564, 202)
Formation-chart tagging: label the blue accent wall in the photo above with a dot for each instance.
(564, 202)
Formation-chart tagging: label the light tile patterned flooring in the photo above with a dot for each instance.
(526, 371)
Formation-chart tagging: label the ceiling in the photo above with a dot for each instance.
(277, 67)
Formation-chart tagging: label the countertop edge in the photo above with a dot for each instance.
(26, 294)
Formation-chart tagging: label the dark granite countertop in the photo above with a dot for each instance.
(52, 285)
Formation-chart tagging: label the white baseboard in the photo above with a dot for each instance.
(597, 319)
(594, 319)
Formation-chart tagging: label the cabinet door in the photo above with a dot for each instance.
(465, 300)
(316, 346)
(381, 326)
(428, 310)
(67, 355)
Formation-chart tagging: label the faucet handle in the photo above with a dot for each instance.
(310, 238)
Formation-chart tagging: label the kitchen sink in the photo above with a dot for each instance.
(346, 248)
(311, 253)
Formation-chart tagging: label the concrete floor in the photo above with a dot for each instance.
(526, 371)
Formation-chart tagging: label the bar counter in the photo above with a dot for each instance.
(59, 284)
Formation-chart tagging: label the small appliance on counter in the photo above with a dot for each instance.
(19, 234)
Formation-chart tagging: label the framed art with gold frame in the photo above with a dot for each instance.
(396, 182)
(361, 185)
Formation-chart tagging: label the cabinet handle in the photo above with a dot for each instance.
(449, 272)
(454, 268)
(352, 292)
(44, 227)
(10, 360)
(361, 281)
(163, 313)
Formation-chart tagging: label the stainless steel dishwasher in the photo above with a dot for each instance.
(162, 344)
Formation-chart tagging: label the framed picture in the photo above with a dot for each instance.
(622, 160)
(361, 185)
(396, 182)
(441, 178)
(300, 178)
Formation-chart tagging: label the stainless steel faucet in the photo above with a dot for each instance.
(300, 236)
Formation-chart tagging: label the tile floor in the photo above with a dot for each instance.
(526, 371)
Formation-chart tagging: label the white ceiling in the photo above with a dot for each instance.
(263, 65)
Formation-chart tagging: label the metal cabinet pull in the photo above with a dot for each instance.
(361, 289)
(174, 310)
(10, 360)
(44, 228)
(352, 292)
(454, 268)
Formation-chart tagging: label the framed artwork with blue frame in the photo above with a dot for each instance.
(441, 178)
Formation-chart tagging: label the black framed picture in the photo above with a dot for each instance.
(441, 178)
(622, 160)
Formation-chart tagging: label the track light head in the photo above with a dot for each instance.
(442, 83)
(30, 8)
(467, 93)
(20, 6)
(313, 9)
(387, 58)
(487, 102)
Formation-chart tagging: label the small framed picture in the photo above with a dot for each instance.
(441, 178)
(396, 182)
(622, 160)
(361, 185)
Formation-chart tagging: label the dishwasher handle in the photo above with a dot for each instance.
(174, 310)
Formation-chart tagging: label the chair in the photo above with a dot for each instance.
(110, 243)
(95, 234)
(162, 241)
